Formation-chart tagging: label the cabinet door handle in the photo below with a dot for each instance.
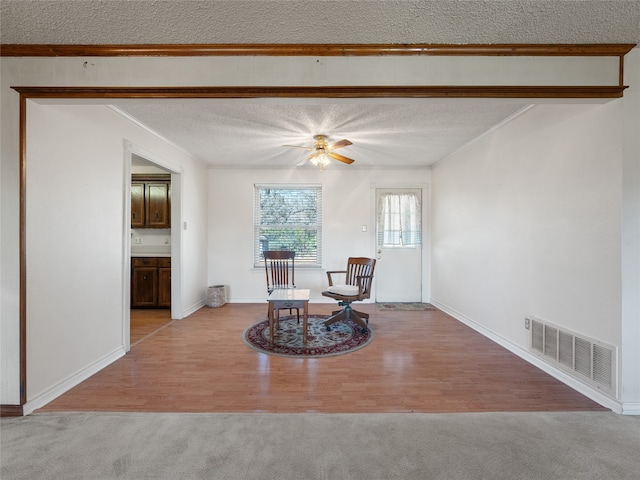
(157, 215)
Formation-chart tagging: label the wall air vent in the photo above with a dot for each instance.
(587, 359)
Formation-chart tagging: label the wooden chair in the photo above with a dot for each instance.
(280, 270)
(356, 287)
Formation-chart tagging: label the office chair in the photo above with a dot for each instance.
(356, 287)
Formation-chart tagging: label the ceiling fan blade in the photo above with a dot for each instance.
(321, 148)
(339, 144)
(298, 146)
(341, 158)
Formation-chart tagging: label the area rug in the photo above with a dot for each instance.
(344, 337)
(406, 306)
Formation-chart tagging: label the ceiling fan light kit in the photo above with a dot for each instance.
(322, 153)
(321, 160)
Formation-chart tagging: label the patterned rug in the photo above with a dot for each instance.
(404, 306)
(344, 337)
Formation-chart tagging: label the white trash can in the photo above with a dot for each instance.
(216, 296)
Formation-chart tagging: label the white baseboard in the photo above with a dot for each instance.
(583, 388)
(71, 381)
(630, 408)
(193, 308)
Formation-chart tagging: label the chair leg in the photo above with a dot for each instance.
(290, 313)
(355, 318)
(336, 317)
(348, 314)
(361, 314)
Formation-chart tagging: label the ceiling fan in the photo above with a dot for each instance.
(322, 153)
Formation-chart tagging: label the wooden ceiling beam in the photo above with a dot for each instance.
(246, 92)
(315, 50)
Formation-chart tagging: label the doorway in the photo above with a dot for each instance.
(154, 251)
(399, 255)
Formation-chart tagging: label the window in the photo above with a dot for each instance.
(399, 222)
(288, 217)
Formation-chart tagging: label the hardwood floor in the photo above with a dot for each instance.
(147, 322)
(418, 362)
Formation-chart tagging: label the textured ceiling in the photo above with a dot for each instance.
(239, 134)
(245, 134)
(313, 21)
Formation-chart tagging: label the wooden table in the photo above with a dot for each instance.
(288, 298)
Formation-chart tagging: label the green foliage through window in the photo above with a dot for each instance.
(288, 217)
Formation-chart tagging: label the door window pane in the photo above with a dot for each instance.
(399, 220)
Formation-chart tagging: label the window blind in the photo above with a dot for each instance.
(288, 217)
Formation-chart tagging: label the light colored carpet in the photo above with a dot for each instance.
(510, 446)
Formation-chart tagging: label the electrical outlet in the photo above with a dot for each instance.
(138, 240)
(526, 323)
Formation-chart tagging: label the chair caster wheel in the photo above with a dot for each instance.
(364, 330)
(328, 328)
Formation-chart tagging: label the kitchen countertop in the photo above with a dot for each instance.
(151, 251)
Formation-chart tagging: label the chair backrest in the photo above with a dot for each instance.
(280, 269)
(361, 266)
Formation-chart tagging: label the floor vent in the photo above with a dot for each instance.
(585, 358)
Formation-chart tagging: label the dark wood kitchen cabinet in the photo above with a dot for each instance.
(150, 282)
(137, 205)
(150, 201)
(164, 282)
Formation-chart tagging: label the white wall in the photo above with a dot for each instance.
(154, 238)
(148, 71)
(631, 236)
(527, 221)
(76, 184)
(9, 239)
(346, 195)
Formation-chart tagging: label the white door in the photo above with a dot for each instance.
(398, 273)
